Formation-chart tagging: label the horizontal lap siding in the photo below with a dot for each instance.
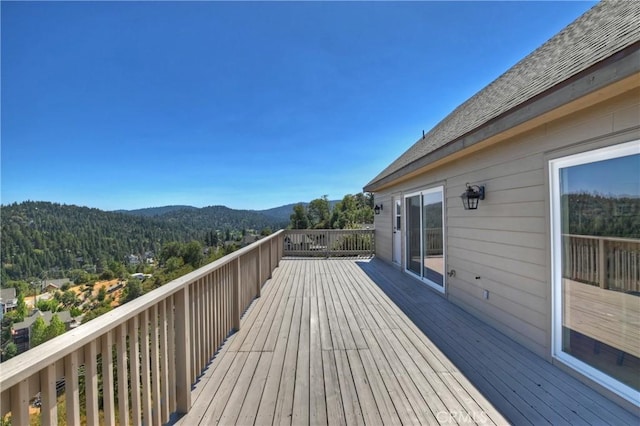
(505, 241)
(512, 264)
(383, 223)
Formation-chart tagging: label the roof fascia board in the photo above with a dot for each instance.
(620, 66)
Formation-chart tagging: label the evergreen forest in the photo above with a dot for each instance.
(600, 215)
(43, 238)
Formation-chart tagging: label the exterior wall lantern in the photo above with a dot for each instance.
(472, 196)
(377, 209)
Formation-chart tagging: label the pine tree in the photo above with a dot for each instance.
(55, 328)
(38, 330)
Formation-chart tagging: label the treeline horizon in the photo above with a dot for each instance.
(350, 212)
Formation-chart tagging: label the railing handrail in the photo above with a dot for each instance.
(597, 237)
(21, 367)
(329, 231)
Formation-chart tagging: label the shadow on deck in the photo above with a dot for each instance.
(525, 388)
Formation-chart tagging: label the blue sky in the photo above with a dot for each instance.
(616, 177)
(123, 105)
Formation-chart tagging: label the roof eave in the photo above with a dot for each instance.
(618, 67)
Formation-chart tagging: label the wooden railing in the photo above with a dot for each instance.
(329, 242)
(609, 263)
(145, 354)
(433, 243)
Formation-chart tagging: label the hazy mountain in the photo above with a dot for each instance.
(155, 211)
(284, 212)
(280, 213)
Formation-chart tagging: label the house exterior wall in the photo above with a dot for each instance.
(506, 241)
(383, 237)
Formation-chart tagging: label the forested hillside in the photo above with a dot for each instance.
(42, 237)
(352, 212)
(596, 214)
(221, 217)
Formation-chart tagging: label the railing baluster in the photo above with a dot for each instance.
(237, 282)
(183, 358)
(48, 397)
(155, 367)
(198, 325)
(206, 317)
(145, 373)
(134, 360)
(91, 382)
(171, 352)
(259, 272)
(71, 389)
(20, 403)
(108, 400)
(164, 363)
(204, 353)
(123, 376)
(227, 300)
(193, 330)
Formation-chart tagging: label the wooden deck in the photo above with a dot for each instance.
(345, 342)
(597, 313)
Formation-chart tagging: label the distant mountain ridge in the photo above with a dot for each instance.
(280, 214)
(155, 211)
(38, 237)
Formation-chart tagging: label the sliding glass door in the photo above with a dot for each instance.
(596, 264)
(425, 236)
(414, 242)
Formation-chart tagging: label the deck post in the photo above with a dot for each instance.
(183, 351)
(602, 264)
(280, 249)
(71, 390)
(270, 258)
(373, 243)
(327, 243)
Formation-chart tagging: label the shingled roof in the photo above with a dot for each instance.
(606, 29)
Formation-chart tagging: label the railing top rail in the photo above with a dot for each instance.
(330, 231)
(22, 366)
(596, 237)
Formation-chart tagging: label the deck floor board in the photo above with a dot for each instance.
(337, 341)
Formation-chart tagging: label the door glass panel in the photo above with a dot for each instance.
(600, 265)
(432, 245)
(398, 215)
(414, 257)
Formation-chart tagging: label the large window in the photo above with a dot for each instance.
(596, 265)
(425, 236)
